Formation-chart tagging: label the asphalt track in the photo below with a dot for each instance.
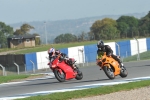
(91, 76)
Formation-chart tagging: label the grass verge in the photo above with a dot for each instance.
(143, 56)
(14, 78)
(90, 92)
(4, 79)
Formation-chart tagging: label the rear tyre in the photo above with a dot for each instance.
(59, 76)
(109, 72)
(123, 72)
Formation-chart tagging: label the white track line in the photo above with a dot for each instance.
(75, 88)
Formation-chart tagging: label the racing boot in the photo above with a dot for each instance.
(120, 63)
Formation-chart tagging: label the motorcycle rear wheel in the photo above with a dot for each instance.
(123, 72)
(60, 77)
(109, 72)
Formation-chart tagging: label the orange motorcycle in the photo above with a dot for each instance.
(111, 67)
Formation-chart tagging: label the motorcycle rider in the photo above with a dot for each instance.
(51, 52)
(109, 52)
(65, 58)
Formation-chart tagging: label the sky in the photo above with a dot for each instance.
(15, 11)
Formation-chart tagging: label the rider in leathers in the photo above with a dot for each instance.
(65, 58)
(67, 61)
(109, 52)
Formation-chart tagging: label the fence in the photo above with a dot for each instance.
(85, 56)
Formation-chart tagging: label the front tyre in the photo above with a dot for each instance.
(123, 72)
(109, 72)
(59, 76)
(79, 75)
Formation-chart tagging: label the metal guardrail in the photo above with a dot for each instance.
(17, 67)
(3, 68)
(118, 48)
(138, 55)
(33, 66)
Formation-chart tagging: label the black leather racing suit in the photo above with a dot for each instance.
(109, 52)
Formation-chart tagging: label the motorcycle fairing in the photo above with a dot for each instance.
(113, 63)
(67, 69)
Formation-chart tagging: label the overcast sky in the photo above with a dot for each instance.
(14, 11)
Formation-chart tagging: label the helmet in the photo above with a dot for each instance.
(51, 50)
(100, 44)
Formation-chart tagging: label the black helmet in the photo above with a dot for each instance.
(100, 44)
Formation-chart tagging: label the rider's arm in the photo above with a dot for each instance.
(99, 54)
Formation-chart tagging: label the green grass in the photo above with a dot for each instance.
(4, 79)
(91, 92)
(143, 56)
(56, 46)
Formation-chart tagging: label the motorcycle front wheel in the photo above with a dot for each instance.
(59, 76)
(79, 75)
(109, 72)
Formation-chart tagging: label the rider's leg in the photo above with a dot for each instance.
(73, 66)
(69, 62)
(117, 59)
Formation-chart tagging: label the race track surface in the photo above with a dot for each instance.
(91, 75)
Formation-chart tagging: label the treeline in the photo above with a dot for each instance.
(108, 29)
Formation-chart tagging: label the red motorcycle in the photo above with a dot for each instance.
(64, 71)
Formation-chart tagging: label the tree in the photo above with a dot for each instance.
(128, 24)
(144, 25)
(5, 32)
(18, 32)
(65, 38)
(111, 32)
(83, 36)
(91, 36)
(24, 29)
(123, 28)
(104, 28)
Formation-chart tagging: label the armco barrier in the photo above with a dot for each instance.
(90, 53)
(148, 43)
(77, 53)
(42, 60)
(125, 48)
(28, 58)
